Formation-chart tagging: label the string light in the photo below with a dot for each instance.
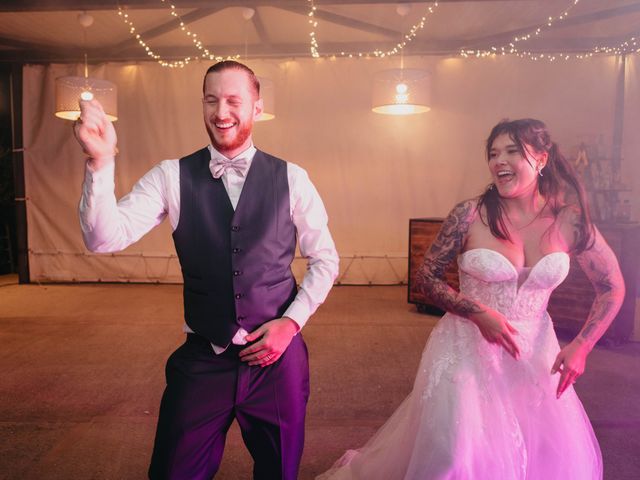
(628, 46)
(312, 35)
(204, 52)
(631, 45)
(511, 47)
(407, 38)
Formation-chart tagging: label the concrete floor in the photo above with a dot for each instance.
(82, 375)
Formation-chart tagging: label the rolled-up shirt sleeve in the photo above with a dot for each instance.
(109, 225)
(316, 245)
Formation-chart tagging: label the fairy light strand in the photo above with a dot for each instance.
(312, 35)
(511, 47)
(628, 46)
(378, 53)
(631, 45)
(204, 52)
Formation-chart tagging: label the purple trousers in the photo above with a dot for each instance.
(205, 392)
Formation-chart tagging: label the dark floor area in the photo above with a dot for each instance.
(82, 370)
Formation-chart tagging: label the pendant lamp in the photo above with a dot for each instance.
(401, 91)
(70, 89)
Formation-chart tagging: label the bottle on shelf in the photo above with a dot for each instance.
(624, 214)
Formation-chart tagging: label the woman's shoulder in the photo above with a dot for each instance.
(573, 226)
(568, 213)
(465, 209)
(462, 215)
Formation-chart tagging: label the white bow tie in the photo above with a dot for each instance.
(239, 164)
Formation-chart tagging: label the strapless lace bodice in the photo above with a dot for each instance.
(491, 279)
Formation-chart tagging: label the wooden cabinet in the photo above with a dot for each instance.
(422, 231)
(570, 303)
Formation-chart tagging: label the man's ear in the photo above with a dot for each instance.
(258, 107)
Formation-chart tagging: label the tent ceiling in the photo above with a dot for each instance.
(47, 30)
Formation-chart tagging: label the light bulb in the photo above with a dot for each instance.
(402, 88)
(86, 95)
(85, 19)
(248, 13)
(403, 9)
(402, 96)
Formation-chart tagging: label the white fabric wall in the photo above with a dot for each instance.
(631, 136)
(374, 172)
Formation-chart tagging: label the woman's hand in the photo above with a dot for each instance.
(570, 362)
(495, 328)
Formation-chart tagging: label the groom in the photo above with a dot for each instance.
(235, 213)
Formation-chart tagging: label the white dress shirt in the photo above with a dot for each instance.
(109, 225)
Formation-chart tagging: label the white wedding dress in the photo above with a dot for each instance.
(475, 412)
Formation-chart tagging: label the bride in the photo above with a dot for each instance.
(493, 396)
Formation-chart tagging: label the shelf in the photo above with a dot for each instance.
(610, 190)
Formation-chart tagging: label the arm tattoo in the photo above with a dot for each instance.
(600, 265)
(443, 251)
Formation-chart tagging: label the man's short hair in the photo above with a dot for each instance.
(233, 65)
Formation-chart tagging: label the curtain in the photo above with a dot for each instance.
(374, 172)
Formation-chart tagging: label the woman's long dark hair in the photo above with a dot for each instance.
(559, 184)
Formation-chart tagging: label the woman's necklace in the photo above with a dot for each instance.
(536, 216)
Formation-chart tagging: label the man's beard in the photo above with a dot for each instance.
(237, 141)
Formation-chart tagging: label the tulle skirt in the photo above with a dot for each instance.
(476, 413)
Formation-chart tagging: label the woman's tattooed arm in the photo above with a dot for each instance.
(445, 248)
(600, 265)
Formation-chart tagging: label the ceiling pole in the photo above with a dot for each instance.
(50, 5)
(18, 172)
(345, 21)
(618, 112)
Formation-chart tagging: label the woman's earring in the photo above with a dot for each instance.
(540, 171)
